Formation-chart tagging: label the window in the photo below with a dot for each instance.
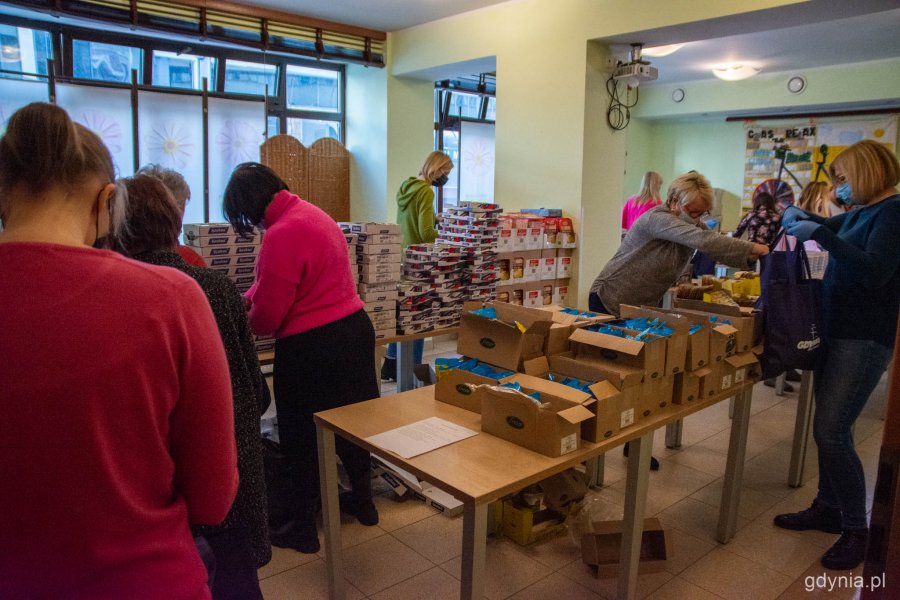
(274, 125)
(106, 62)
(450, 191)
(465, 105)
(250, 78)
(491, 109)
(313, 89)
(24, 50)
(310, 130)
(186, 71)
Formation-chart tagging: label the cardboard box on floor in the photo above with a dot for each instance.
(676, 344)
(526, 526)
(552, 428)
(601, 547)
(499, 341)
(611, 410)
(742, 318)
(649, 355)
(457, 387)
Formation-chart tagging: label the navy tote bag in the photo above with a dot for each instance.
(791, 304)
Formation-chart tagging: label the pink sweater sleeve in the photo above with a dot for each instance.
(201, 435)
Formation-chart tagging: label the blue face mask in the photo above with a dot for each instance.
(844, 194)
(440, 181)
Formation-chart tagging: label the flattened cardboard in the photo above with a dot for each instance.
(601, 547)
(649, 355)
(552, 429)
(498, 341)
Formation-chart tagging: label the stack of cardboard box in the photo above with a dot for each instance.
(378, 253)
(473, 227)
(232, 255)
(535, 259)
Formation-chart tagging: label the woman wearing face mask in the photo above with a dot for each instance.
(117, 421)
(659, 245)
(415, 214)
(861, 301)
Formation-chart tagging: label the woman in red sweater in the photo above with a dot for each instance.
(117, 421)
(306, 297)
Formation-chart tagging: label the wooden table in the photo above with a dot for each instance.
(484, 468)
(405, 362)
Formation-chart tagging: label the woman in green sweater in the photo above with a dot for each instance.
(415, 214)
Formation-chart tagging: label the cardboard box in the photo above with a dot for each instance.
(552, 429)
(611, 413)
(378, 259)
(365, 288)
(738, 368)
(565, 264)
(207, 251)
(697, 355)
(686, 386)
(459, 388)
(439, 500)
(373, 269)
(505, 239)
(222, 240)
(526, 526)
(648, 354)
(655, 395)
(236, 271)
(749, 327)
(195, 230)
(388, 277)
(533, 265)
(601, 547)
(561, 292)
(711, 382)
(379, 249)
(676, 344)
(499, 341)
(520, 239)
(548, 264)
(374, 228)
(386, 306)
(378, 238)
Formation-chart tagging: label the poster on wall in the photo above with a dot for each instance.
(106, 112)
(16, 93)
(777, 150)
(170, 130)
(476, 157)
(834, 136)
(236, 130)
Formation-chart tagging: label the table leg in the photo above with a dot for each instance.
(595, 468)
(405, 366)
(673, 434)
(802, 427)
(633, 521)
(331, 513)
(779, 385)
(473, 549)
(734, 467)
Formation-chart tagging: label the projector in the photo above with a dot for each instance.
(636, 71)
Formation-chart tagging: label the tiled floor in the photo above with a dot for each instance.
(414, 552)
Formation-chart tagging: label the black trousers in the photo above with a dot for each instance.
(327, 367)
(595, 304)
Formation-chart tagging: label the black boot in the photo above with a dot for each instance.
(654, 464)
(389, 369)
(818, 516)
(848, 551)
(358, 502)
(300, 535)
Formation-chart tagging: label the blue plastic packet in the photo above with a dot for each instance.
(513, 385)
(695, 329)
(488, 312)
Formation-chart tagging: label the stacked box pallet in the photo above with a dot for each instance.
(433, 286)
(378, 254)
(232, 255)
(474, 227)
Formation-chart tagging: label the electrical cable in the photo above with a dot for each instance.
(618, 114)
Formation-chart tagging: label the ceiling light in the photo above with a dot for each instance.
(658, 51)
(735, 72)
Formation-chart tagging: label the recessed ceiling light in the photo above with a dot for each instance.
(735, 72)
(657, 51)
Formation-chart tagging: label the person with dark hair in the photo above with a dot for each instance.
(117, 416)
(240, 545)
(861, 302)
(305, 295)
(181, 192)
(761, 223)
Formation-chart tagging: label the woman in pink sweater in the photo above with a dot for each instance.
(645, 199)
(305, 295)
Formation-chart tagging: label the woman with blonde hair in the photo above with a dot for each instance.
(415, 214)
(814, 198)
(646, 198)
(861, 302)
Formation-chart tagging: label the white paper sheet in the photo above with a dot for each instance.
(420, 437)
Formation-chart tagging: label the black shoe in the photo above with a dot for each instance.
(389, 369)
(771, 383)
(848, 552)
(818, 516)
(792, 375)
(363, 509)
(300, 536)
(654, 464)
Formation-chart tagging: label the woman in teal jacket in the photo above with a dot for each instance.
(415, 214)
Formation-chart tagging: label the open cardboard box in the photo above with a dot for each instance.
(552, 428)
(648, 355)
(457, 387)
(499, 341)
(676, 344)
(611, 411)
(601, 547)
(526, 526)
(747, 321)
(697, 355)
(686, 386)
(738, 368)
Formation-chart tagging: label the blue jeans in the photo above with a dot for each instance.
(845, 379)
(418, 351)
